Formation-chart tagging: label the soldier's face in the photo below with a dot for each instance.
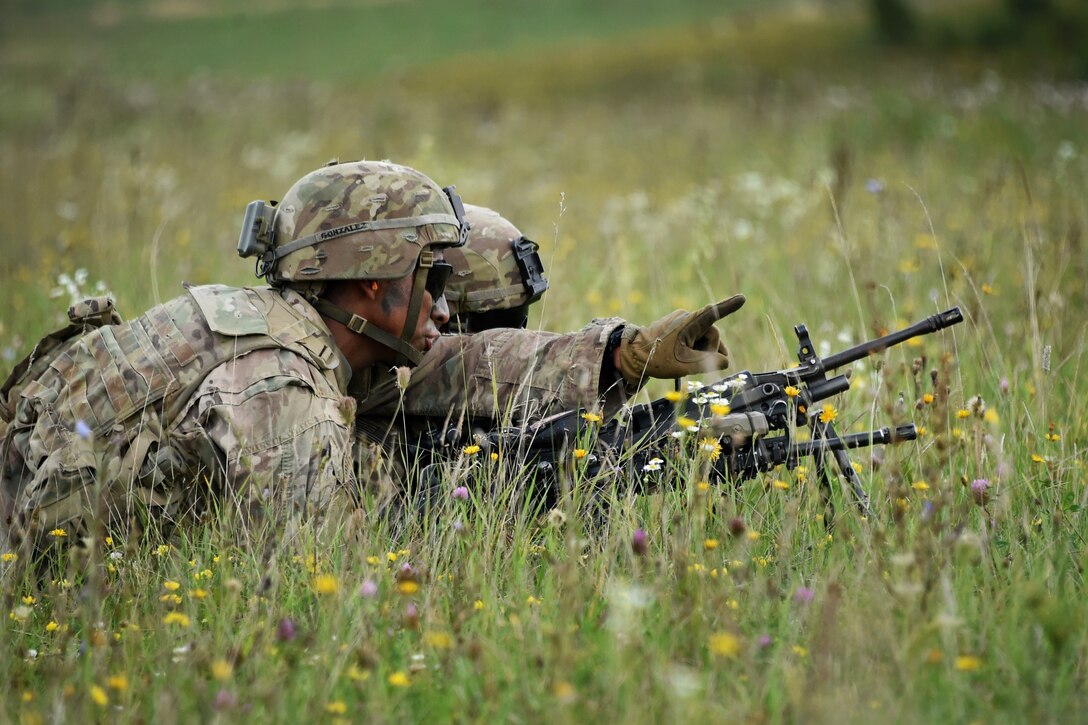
(394, 305)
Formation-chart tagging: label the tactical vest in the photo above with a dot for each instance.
(92, 402)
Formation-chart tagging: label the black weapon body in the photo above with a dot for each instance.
(756, 433)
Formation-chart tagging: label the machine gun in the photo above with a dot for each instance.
(752, 416)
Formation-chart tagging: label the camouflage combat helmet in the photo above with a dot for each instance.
(369, 220)
(496, 275)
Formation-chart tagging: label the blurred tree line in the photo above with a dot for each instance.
(1058, 28)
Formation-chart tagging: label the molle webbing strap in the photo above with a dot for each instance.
(361, 326)
(358, 228)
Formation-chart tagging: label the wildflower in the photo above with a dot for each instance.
(1036, 458)
(494, 456)
(9, 556)
(720, 409)
(928, 398)
(175, 598)
(82, 429)
(736, 526)
(580, 453)
(829, 413)
(968, 663)
(710, 544)
(753, 536)
(58, 533)
(675, 396)
(336, 707)
(224, 700)
(176, 618)
(791, 391)
(803, 595)
(286, 630)
(408, 587)
(358, 674)
(471, 450)
(687, 423)
(639, 543)
(478, 605)
(1053, 437)
(592, 417)
(980, 490)
(782, 485)
(712, 447)
(654, 464)
(532, 601)
(963, 413)
(764, 641)
(438, 640)
(399, 679)
(199, 593)
(99, 696)
(52, 626)
(556, 518)
(326, 584)
(29, 600)
(411, 616)
(222, 670)
(799, 651)
(461, 492)
(725, 644)
(977, 406)
(368, 589)
(920, 486)
(171, 586)
(874, 186)
(373, 560)
(563, 691)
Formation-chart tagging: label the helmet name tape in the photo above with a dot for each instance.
(359, 228)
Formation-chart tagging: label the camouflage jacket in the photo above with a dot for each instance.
(235, 392)
(495, 377)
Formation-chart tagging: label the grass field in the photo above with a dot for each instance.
(666, 157)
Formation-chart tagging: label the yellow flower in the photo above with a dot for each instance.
(171, 585)
(373, 560)
(799, 650)
(326, 584)
(1053, 437)
(580, 452)
(829, 413)
(987, 288)
(162, 549)
(59, 533)
(711, 446)
(8, 556)
(532, 601)
(1036, 458)
(408, 587)
(791, 391)
(175, 598)
(478, 604)
(703, 486)
(176, 618)
(685, 422)
(99, 696)
(358, 674)
(725, 644)
(438, 640)
(222, 670)
(920, 486)
(927, 398)
(109, 541)
(753, 536)
(199, 593)
(674, 396)
(28, 600)
(592, 417)
(963, 413)
(494, 456)
(710, 544)
(399, 679)
(719, 409)
(968, 663)
(117, 682)
(28, 696)
(52, 627)
(471, 450)
(991, 416)
(337, 707)
(780, 484)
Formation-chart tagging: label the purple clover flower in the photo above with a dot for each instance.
(461, 492)
(803, 595)
(639, 543)
(368, 589)
(980, 490)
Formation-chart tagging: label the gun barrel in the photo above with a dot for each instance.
(933, 323)
(880, 436)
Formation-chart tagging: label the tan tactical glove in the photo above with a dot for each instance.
(680, 343)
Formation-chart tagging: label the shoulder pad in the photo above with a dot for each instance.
(229, 310)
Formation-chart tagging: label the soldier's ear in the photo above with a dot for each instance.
(370, 289)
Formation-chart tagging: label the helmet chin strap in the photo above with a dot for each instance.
(406, 354)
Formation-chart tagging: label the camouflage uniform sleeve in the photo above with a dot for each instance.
(507, 374)
(280, 433)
